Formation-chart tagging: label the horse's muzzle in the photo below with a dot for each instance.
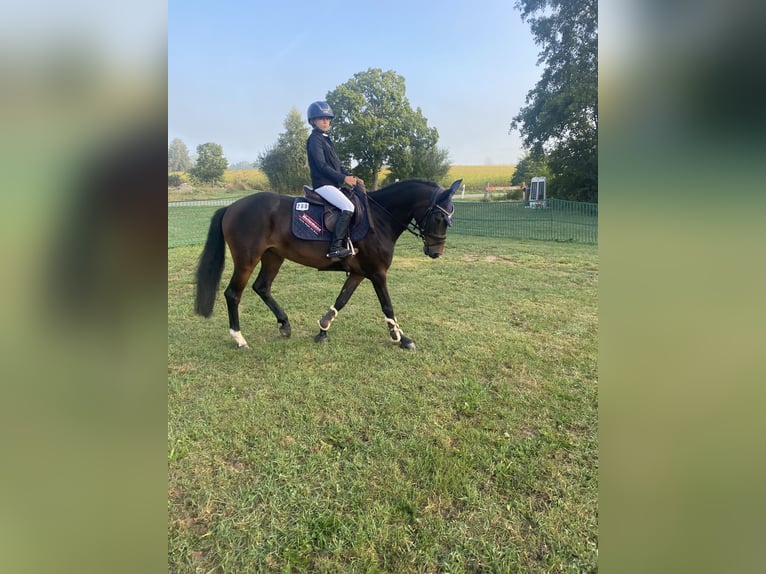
(433, 254)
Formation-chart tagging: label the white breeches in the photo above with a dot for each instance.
(336, 197)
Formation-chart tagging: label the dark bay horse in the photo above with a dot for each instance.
(257, 228)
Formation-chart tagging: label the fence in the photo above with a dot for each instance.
(559, 220)
(188, 221)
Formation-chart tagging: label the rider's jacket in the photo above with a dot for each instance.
(324, 164)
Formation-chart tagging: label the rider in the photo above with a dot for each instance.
(328, 175)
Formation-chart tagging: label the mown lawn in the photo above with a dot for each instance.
(477, 452)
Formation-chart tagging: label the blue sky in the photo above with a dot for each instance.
(236, 68)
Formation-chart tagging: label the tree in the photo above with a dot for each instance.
(375, 126)
(286, 164)
(560, 118)
(531, 165)
(429, 163)
(210, 164)
(421, 157)
(178, 156)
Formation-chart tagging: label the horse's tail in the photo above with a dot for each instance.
(210, 266)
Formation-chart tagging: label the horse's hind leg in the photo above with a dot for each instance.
(233, 295)
(270, 264)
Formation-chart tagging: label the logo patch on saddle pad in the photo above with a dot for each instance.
(308, 220)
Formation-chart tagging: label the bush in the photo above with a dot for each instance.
(174, 180)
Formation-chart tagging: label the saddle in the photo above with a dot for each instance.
(314, 219)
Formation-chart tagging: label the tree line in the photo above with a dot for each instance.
(375, 126)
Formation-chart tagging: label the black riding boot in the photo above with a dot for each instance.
(337, 247)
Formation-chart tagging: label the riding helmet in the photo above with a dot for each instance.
(320, 110)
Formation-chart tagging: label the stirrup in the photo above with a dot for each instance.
(340, 253)
(344, 251)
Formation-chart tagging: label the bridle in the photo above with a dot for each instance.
(419, 228)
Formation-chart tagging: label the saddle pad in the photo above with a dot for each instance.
(308, 222)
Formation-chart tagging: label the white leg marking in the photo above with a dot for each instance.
(238, 338)
(328, 318)
(393, 330)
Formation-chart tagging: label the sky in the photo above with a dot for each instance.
(237, 68)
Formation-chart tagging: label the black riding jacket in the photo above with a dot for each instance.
(324, 164)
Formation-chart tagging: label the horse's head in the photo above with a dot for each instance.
(435, 221)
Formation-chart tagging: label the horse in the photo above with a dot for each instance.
(259, 229)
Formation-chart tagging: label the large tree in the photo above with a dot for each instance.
(375, 126)
(285, 164)
(178, 156)
(560, 118)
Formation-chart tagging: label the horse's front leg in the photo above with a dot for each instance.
(394, 331)
(350, 285)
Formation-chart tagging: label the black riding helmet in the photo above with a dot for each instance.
(319, 110)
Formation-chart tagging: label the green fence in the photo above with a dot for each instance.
(188, 221)
(558, 220)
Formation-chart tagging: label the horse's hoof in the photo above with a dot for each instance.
(285, 330)
(407, 344)
(321, 337)
(245, 346)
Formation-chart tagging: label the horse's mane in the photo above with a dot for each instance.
(395, 188)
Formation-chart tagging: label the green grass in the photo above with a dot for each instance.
(188, 224)
(477, 452)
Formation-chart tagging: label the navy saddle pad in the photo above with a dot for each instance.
(308, 221)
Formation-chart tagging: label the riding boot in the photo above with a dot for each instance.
(337, 247)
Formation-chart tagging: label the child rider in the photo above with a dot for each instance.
(328, 175)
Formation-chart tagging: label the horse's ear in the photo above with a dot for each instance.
(447, 193)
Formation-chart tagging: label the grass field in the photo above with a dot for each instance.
(243, 181)
(477, 452)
